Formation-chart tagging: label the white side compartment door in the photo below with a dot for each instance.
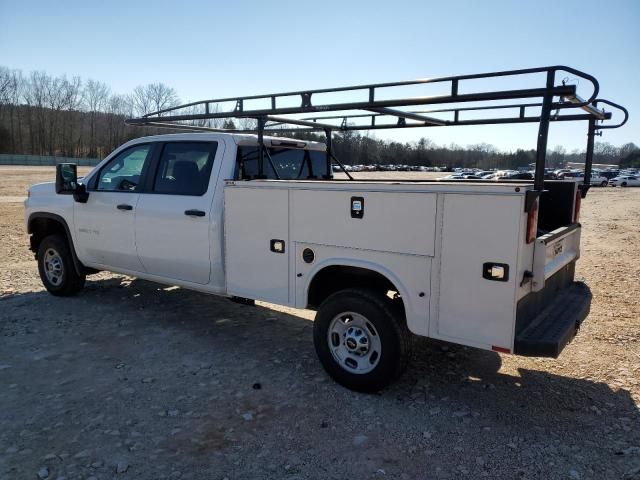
(256, 219)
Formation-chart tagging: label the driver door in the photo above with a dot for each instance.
(105, 225)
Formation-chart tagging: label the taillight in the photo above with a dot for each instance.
(576, 210)
(532, 221)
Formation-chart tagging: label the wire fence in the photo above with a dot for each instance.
(44, 160)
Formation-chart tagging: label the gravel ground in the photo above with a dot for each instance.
(131, 380)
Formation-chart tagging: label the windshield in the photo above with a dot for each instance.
(285, 164)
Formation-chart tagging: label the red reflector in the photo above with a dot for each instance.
(576, 211)
(532, 221)
(500, 349)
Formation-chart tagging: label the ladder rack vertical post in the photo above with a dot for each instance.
(588, 161)
(328, 174)
(261, 123)
(543, 132)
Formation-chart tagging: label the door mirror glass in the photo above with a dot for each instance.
(66, 178)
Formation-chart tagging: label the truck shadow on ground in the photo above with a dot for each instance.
(157, 331)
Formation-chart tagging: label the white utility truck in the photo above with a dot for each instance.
(260, 217)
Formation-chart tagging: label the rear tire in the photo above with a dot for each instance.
(623, 184)
(57, 268)
(361, 339)
(603, 184)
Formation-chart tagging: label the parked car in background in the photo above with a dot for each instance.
(598, 180)
(625, 181)
(578, 176)
(609, 174)
(516, 176)
(561, 171)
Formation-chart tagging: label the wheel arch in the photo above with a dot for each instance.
(334, 275)
(41, 224)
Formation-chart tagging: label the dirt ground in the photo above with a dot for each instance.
(132, 380)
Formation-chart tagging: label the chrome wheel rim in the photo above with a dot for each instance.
(354, 343)
(53, 267)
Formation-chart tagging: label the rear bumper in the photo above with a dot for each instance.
(547, 333)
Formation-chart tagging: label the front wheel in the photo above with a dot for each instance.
(361, 339)
(603, 184)
(56, 267)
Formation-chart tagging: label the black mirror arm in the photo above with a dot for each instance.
(81, 195)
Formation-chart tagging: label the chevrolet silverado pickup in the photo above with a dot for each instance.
(487, 264)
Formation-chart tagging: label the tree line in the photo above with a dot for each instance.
(42, 114)
(45, 115)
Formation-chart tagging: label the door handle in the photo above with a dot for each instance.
(124, 206)
(194, 213)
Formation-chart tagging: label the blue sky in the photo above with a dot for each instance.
(214, 49)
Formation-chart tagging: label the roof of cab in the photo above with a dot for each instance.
(238, 138)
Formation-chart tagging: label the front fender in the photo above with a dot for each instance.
(58, 219)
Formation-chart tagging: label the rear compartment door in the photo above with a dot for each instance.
(257, 247)
(477, 230)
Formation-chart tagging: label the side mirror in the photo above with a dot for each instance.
(66, 178)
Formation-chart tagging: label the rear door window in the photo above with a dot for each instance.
(185, 168)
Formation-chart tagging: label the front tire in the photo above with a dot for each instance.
(56, 267)
(603, 184)
(361, 339)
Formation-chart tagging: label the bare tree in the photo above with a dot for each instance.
(35, 95)
(153, 97)
(71, 104)
(96, 95)
(162, 96)
(117, 110)
(556, 157)
(141, 101)
(5, 85)
(11, 89)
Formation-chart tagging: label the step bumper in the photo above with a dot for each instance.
(555, 326)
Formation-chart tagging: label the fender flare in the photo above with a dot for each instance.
(57, 218)
(366, 265)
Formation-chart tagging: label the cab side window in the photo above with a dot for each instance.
(123, 172)
(284, 163)
(185, 168)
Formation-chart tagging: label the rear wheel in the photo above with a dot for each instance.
(56, 267)
(603, 184)
(361, 339)
(623, 184)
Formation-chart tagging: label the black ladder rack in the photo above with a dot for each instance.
(304, 111)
